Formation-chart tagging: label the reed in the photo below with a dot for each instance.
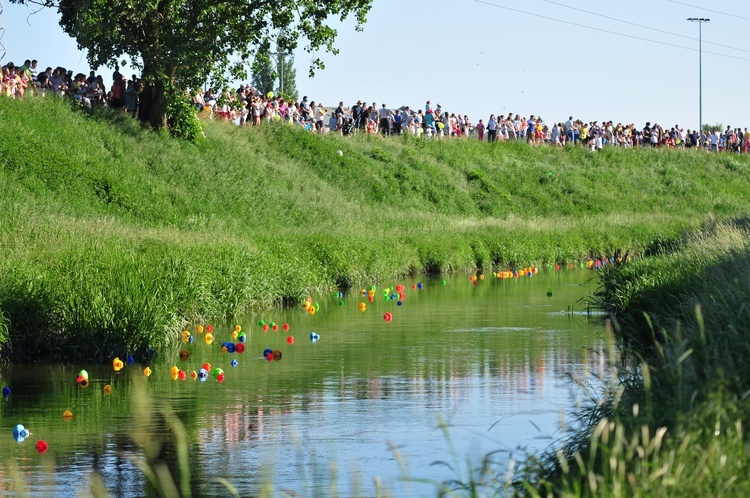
(113, 236)
(672, 422)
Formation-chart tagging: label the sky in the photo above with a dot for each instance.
(629, 62)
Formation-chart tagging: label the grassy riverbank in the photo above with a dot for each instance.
(677, 425)
(112, 236)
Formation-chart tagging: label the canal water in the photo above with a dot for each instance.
(462, 369)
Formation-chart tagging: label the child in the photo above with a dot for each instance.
(480, 130)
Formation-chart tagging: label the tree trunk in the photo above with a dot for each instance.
(152, 103)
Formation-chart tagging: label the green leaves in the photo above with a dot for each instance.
(188, 42)
(182, 117)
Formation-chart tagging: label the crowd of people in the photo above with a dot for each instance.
(19, 81)
(247, 106)
(596, 136)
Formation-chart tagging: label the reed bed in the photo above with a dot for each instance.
(673, 421)
(112, 236)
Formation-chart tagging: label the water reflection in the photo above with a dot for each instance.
(492, 362)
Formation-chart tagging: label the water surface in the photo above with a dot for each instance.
(462, 370)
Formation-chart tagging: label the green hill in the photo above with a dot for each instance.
(111, 236)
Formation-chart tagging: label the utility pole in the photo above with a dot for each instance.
(700, 21)
(280, 59)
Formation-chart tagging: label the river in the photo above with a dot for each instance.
(462, 369)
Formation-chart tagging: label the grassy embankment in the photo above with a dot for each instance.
(111, 236)
(677, 424)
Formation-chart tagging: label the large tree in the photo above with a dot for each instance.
(184, 43)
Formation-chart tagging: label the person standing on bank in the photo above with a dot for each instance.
(491, 129)
(384, 124)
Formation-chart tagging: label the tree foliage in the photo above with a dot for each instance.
(287, 77)
(184, 43)
(276, 73)
(264, 77)
(707, 128)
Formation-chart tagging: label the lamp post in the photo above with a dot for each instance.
(700, 21)
(280, 59)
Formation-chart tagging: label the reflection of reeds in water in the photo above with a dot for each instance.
(158, 431)
(488, 479)
(163, 459)
(620, 451)
(156, 427)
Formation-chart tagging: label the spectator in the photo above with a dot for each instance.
(22, 82)
(210, 98)
(556, 135)
(318, 113)
(304, 109)
(117, 95)
(429, 118)
(257, 110)
(10, 79)
(333, 123)
(131, 98)
(364, 117)
(24, 69)
(33, 71)
(398, 120)
(57, 83)
(199, 102)
(491, 128)
(116, 76)
(383, 120)
(43, 80)
(480, 130)
(79, 90)
(356, 110)
(714, 141)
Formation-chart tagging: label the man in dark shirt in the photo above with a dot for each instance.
(43, 79)
(647, 134)
(364, 116)
(356, 111)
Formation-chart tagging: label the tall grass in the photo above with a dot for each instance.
(695, 337)
(3, 327)
(112, 235)
(675, 422)
(653, 462)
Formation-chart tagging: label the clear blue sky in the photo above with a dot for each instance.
(539, 57)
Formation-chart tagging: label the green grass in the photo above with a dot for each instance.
(113, 236)
(674, 421)
(685, 313)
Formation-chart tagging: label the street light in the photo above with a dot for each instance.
(280, 60)
(700, 21)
